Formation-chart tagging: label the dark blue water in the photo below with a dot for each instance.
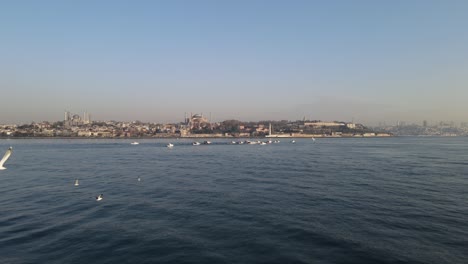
(389, 200)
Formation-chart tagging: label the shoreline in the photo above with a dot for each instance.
(206, 137)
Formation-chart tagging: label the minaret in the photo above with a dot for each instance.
(211, 127)
(66, 121)
(269, 130)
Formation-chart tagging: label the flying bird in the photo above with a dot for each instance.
(5, 157)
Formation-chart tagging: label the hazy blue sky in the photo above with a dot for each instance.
(249, 60)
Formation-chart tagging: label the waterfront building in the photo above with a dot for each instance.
(323, 124)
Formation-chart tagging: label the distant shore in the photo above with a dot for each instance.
(208, 137)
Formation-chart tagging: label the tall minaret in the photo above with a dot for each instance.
(211, 127)
(269, 130)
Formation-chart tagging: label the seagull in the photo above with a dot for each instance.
(5, 157)
(76, 182)
(99, 197)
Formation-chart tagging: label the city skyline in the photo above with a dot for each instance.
(70, 118)
(364, 61)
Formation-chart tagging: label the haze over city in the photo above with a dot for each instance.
(365, 61)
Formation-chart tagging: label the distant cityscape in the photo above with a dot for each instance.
(198, 125)
(441, 128)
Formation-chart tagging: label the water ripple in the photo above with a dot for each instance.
(396, 200)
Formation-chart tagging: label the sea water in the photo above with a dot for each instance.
(349, 200)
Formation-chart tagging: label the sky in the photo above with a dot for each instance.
(361, 61)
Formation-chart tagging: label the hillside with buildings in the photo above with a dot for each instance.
(426, 129)
(194, 125)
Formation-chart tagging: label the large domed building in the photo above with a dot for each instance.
(197, 121)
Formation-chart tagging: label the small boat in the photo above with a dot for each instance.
(77, 182)
(170, 145)
(196, 143)
(293, 141)
(263, 143)
(206, 142)
(134, 143)
(99, 197)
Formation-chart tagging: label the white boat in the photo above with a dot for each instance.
(206, 142)
(293, 141)
(99, 197)
(77, 182)
(170, 145)
(134, 143)
(263, 143)
(196, 143)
